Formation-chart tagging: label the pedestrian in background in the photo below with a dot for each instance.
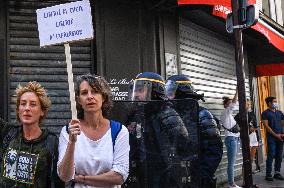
(252, 129)
(232, 135)
(272, 119)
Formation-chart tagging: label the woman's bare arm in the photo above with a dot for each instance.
(66, 166)
(235, 99)
(109, 178)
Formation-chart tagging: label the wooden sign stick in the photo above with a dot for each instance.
(70, 81)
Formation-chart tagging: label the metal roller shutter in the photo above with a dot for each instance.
(209, 61)
(29, 62)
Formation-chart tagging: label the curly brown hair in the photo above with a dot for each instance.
(100, 85)
(39, 91)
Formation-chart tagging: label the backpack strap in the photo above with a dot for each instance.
(115, 129)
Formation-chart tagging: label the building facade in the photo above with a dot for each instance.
(133, 36)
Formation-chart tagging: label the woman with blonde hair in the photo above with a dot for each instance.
(28, 152)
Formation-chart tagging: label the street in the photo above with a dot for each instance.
(259, 180)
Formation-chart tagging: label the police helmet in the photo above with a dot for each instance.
(147, 86)
(179, 87)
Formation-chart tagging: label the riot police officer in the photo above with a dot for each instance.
(179, 87)
(157, 137)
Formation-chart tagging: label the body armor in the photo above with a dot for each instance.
(211, 147)
(209, 143)
(157, 140)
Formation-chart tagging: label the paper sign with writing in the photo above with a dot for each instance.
(65, 23)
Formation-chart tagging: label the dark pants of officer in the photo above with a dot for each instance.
(211, 156)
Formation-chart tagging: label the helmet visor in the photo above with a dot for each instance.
(140, 90)
(171, 88)
(186, 87)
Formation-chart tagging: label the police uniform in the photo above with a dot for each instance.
(157, 137)
(211, 146)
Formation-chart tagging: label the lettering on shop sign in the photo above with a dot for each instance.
(223, 9)
(119, 88)
(65, 23)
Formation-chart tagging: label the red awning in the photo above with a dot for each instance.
(223, 7)
(205, 2)
(210, 2)
(269, 69)
(275, 38)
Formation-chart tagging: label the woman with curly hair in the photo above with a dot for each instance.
(89, 154)
(29, 153)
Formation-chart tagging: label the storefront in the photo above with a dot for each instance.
(208, 58)
(126, 42)
(132, 36)
(26, 61)
(201, 47)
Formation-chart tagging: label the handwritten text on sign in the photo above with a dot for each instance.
(65, 23)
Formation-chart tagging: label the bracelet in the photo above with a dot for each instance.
(84, 178)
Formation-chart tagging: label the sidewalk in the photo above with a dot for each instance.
(259, 180)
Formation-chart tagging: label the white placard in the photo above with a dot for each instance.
(65, 23)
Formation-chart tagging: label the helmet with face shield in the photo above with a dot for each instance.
(147, 86)
(180, 87)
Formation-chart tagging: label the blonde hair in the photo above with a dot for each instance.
(39, 91)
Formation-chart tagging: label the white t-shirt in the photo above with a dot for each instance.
(96, 157)
(228, 120)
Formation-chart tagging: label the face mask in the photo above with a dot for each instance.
(249, 110)
(274, 105)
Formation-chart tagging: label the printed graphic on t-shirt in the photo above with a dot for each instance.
(20, 166)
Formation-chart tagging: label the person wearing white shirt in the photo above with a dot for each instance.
(87, 154)
(231, 137)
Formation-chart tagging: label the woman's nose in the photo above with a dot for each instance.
(27, 107)
(90, 95)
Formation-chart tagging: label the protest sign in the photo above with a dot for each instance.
(64, 23)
